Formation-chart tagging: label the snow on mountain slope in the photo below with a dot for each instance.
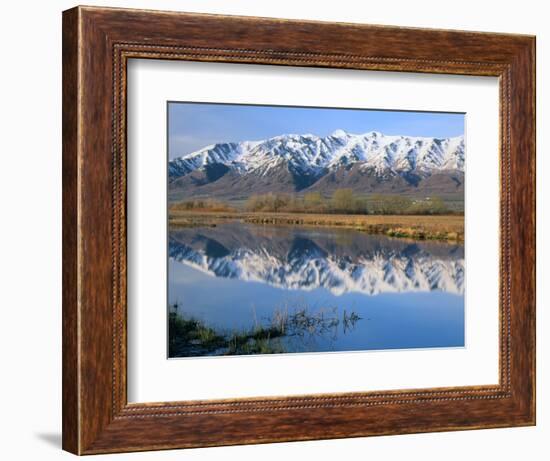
(309, 268)
(315, 156)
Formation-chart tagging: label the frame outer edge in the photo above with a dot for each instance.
(532, 143)
(523, 233)
(91, 422)
(70, 191)
(533, 51)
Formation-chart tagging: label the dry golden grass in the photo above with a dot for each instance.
(441, 227)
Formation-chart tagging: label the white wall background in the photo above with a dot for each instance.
(30, 243)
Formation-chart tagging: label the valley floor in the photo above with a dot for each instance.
(438, 227)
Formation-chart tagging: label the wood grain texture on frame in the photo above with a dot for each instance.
(97, 42)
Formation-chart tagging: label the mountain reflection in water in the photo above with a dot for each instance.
(341, 261)
(251, 289)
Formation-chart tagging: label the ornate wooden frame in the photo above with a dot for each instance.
(97, 43)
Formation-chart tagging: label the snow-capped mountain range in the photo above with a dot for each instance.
(303, 264)
(304, 160)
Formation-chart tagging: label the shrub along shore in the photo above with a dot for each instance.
(395, 216)
(342, 201)
(449, 227)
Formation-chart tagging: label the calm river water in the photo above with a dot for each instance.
(311, 290)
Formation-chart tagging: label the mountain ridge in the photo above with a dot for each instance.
(300, 162)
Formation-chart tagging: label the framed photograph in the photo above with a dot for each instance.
(281, 230)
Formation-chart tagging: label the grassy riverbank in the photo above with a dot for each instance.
(439, 227)
(189, 336)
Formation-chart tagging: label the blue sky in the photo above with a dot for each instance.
(192, 126)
